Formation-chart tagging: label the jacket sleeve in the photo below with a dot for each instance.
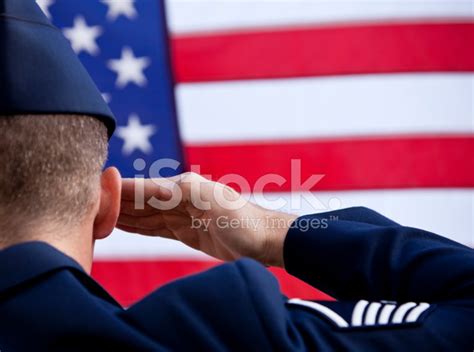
(357, 253)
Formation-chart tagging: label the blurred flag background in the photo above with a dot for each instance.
(377, 96)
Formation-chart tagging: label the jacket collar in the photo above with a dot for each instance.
(27, 261)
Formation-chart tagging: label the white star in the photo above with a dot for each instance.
(129, 68)
(83, 37)
(136, 136)
(44, 5)
(120, 7)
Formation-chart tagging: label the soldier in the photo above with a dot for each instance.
(398, 288)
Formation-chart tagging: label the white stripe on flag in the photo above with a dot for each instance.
(332, 106)
(209, 15)
(446, 212)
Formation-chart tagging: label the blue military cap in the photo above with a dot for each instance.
(39, 71)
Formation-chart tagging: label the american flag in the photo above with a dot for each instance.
(375, 96)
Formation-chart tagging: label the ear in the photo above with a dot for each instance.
(109, 207)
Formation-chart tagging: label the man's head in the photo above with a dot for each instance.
(51, 177)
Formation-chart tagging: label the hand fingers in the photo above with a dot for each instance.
(156, 222)
(162, 188)
(129, 208)
(159, 233)
(153, 222)
(159, 188)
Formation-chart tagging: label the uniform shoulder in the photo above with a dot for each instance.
(215, 303)
(219, 283)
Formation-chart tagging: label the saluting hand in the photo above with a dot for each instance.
(204, 215)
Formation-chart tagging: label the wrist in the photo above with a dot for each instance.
(276, 230)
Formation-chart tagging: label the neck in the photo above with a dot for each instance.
(80, 248)
(76, 242)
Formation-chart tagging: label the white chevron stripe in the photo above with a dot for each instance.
(401, 311)
(328, 313)
(371, 314)
(365, 313)
(416, 312)
(358, 313)
(385, 313)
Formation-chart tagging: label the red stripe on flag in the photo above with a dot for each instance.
(129, 281)
(329, 50)
(348, 164)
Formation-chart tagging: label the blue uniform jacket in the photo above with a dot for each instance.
(398, 289)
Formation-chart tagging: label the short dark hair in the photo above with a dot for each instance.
(50, 168)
